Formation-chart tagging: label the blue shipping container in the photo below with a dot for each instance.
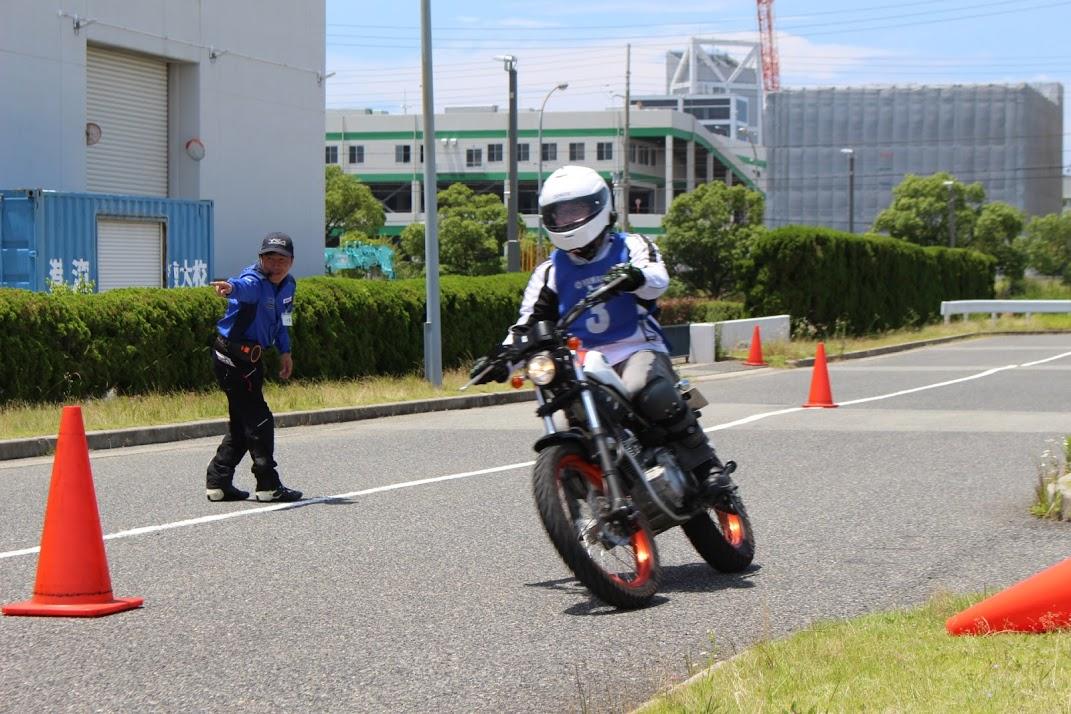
(48, 237)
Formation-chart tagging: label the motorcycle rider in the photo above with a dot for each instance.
(578, 215)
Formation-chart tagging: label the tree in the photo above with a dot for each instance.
(350, 208)
(998, 225)
(919, 210)
(472, 230)
(1047, 244)
(708, 235)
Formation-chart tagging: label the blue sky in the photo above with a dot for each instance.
(374, 47)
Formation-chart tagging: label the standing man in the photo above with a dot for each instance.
(259, 309)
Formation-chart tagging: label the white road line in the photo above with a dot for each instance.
(496, 469)
(986, 373)
(281, 506)
(1043, 361)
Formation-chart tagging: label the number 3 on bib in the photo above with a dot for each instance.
(599, 321)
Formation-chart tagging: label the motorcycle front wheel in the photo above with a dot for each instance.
(722, 535)
(618, 564)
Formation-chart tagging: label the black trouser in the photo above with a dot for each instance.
(649, 378)
(251, 428)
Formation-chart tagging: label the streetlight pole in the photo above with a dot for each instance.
(746, 131)
(623, 209)
(951, 213)
(513, 246)
(433, 364)
(539, 171)
(850, 153)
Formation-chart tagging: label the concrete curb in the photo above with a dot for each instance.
(140, 436)
(31, 447)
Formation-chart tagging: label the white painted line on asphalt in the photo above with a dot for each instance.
(496, 469)
(1043, 361)
(923, 388)
(753, 417)
(281, 506)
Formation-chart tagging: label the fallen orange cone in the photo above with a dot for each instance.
(754, 356)
(1040, 603)
(820, 395)
(72, 570)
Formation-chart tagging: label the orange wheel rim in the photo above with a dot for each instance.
(640, 543)
(732, 527)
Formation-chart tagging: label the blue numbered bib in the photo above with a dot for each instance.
(609, 322)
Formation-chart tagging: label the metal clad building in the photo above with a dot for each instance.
(1008, 137)
(113, 241)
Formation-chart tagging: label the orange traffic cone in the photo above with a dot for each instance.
(754, 355)
(1040, 603)
(820, 395)
(72, 570)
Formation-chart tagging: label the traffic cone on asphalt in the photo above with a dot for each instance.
(820, 394)
(754, 355)
(1040, 603)
(72, 569)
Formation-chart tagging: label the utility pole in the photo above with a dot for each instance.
(513, 246)
(623, 209)
(850, 153)
(433, 361)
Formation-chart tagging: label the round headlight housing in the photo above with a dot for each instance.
(540, 369)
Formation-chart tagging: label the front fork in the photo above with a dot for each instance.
(620, 508)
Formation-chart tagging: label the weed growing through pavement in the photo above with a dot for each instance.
(1052, 494)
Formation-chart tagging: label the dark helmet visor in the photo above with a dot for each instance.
(564, 216)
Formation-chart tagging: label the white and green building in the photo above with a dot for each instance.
(669, 152)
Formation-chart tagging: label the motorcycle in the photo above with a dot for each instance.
(607, 484)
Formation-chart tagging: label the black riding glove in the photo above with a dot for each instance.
(499, 373)
(634, 277)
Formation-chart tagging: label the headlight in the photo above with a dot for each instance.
(540, 369)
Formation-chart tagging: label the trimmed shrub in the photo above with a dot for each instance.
(680, 311)
(865, 283)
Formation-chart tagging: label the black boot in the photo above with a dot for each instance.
(715, 481)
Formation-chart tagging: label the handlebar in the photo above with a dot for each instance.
(596, 296)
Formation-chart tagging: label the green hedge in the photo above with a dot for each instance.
(136, 340)
(865, 283)
(683, 310)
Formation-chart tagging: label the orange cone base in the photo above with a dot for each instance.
(1040, 603)
(749, 363)
(819, 404)
(89, 609)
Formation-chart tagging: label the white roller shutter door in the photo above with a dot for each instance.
(126, 95)
(129, 254)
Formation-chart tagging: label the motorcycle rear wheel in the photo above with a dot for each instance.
(722, 535)
(618, 567)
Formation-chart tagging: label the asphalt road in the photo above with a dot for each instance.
(387, 595)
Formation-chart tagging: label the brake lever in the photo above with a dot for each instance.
(507, 356)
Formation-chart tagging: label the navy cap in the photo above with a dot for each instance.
(277, 243)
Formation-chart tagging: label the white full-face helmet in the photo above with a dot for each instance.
(576, 206)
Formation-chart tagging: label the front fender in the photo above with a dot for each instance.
(558, 438)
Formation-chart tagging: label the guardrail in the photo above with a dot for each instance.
(996, 307)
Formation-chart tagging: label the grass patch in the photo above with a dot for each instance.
(121, 412)
(780, 353)
(888, 662)
(1052, 493)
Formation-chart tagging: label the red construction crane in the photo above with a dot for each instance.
(771, 70)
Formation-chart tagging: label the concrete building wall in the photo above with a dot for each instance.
(1008, 137)
(244, 78)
